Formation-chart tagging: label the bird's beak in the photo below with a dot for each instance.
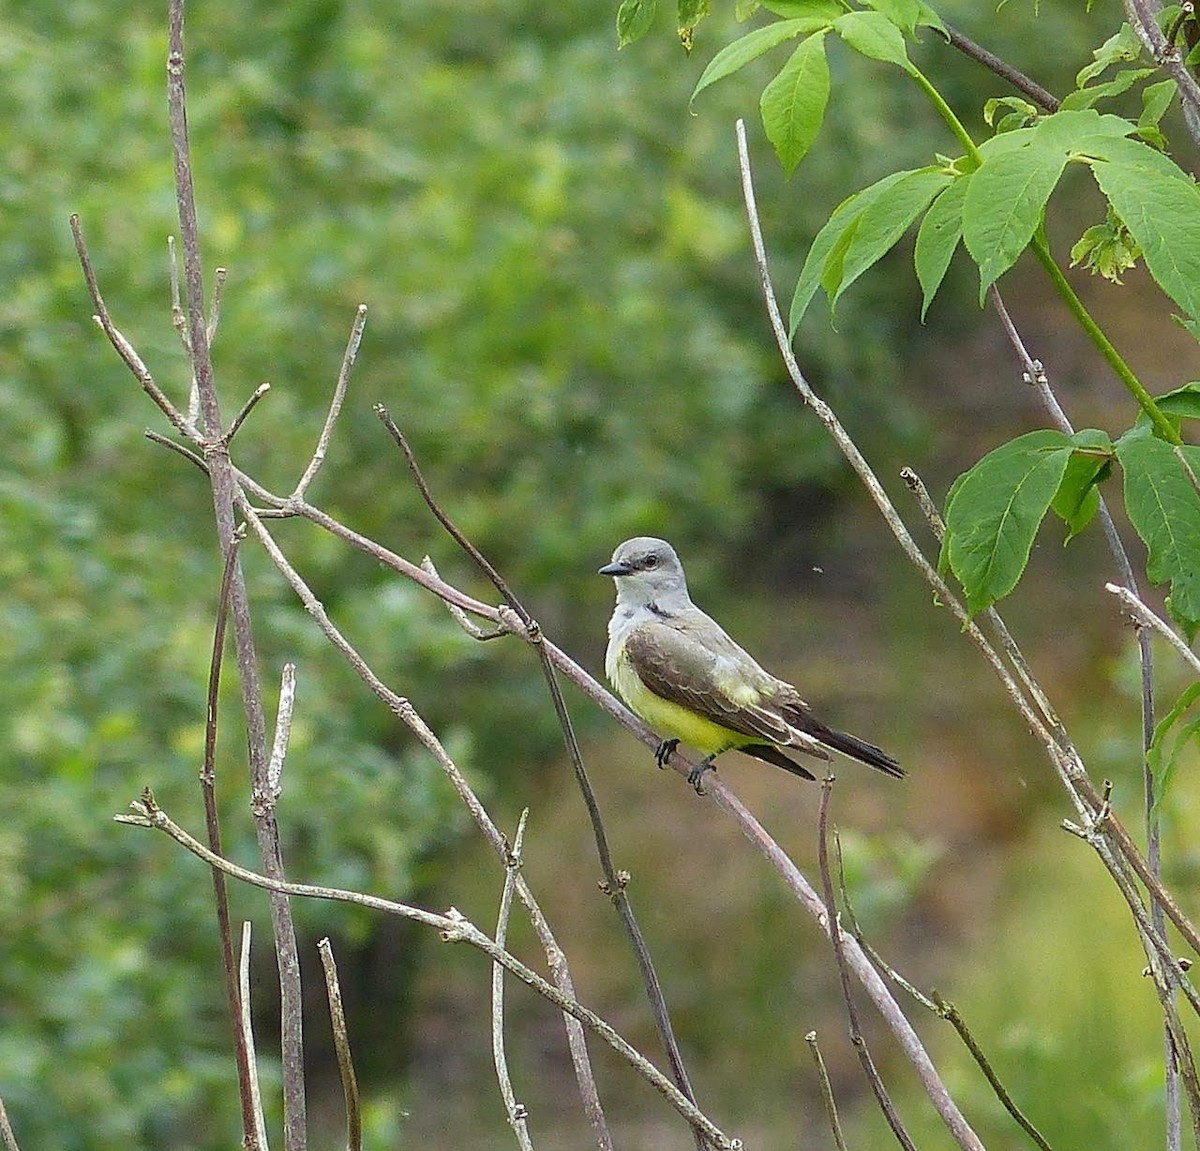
(616, 569)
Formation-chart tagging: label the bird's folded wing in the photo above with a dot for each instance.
(715, 679)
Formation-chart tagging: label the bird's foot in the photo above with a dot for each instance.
(665, 750)
(696, 775)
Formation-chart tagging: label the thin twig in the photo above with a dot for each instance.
(246, 1025)
(516, 1112)
(223, 489)
(178, 319)
(6, 1132)
(461, 618)
(123, 347)
(614, 881)
(175, 446)
(835, 1125)
(247, 408)
(335, 405)
(1142, 17)
(208, 789)
(341, 1044)
(1148, 618)
(1005, 71)
(283, 733)
(455, 928)
(214, 304)
(834, 927)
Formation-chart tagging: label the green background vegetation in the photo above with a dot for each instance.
(565, 321)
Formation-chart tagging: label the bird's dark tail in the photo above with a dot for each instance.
(769, 754)
(855, 748)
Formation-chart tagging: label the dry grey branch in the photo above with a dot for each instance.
(827, 1098)
(6, 1132)
(454, 928)
(283, 733)
(223, 493)
(341, 1044)
(247, 1085)
(246, 1026)
(408, 715)
(335, 405)
(1147, 618)
(516, 1111)
(614, 883)
(857, 1039)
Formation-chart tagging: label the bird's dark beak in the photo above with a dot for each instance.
(616, 569)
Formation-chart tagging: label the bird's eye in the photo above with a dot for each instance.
(651, 561)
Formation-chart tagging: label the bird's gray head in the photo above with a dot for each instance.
(647, 571)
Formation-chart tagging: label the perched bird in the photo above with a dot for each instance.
(678, 669)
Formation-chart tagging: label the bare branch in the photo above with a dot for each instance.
(341, 1043)
(246, 1025)
(407, 714)
(123, 347)
(283, 733)
(834, 927)
(175, 446)
(826, 1092)
(335, 405)
(461, 618)
(1147, 618)
(1005, 71)
(247, 408)
(6, 1132)
(614, 882)
(454, 928)
(223, 489)
(516, 1111)
(247, 1085)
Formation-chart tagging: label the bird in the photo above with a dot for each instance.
(680, 671)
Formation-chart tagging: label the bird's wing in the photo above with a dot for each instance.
(693, 662)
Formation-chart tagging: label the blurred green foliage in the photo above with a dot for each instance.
(563, 319)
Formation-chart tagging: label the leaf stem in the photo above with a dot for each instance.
(947, 113)
(1125, 373)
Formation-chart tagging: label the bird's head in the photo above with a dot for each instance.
(646, 570)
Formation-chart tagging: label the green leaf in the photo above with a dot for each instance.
(930, 19)
(1161, 762)
(995, 512)
(793, 104)
(1120, 47)
(1078, 498)
(905, 14)
(937, 238)
(827, 11)
(845, 215)
(1021, 113)
(1164, 508)
(1003, 206)
(634, 18)
(885, 220)
(751, 46)
(1183, 401)
(1156, 99)
(1106, 249)
(691, 12)
(1078, 130)
(744, 9)
(1160, 205)
(1122, 82)
(874, 35)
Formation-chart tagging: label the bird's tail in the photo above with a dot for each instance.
(858, 749)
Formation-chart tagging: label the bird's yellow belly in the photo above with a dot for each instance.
(669, 718)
